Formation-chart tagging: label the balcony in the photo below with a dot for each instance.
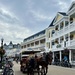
(37, 46)
(65, 30)
(62, 44)
(72, 42)
(69, 44)
(54, 46)
(72, 26)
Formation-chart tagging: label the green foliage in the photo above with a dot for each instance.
(2, 52)
(58, 46)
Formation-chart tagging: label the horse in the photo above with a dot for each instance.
(43, 61)
(37, 62)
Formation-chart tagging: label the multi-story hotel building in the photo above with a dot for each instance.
(58, 37)
(63, 36)
(34, 42)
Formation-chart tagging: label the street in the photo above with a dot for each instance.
(53, 70)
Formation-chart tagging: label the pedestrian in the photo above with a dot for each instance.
(65, 58)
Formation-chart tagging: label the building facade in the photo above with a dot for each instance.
(11, 49)
(59, 37)
(63, 37)
(34, 42)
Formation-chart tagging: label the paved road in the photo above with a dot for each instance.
(53, 70)
(16, 68)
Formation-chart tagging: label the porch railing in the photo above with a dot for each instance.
(65, 30)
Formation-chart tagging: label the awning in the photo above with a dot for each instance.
(30, 51)
(25, 55)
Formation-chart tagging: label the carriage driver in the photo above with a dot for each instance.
(32, 62)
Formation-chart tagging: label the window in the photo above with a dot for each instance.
(66, 37)
(49, 34)
(71, 20)
(71, 37)
(61, 25)
(22, 47)
(56, 28)
(66, 23)
(61, 39)
(53, 43)
(49, 45)
(53, 31)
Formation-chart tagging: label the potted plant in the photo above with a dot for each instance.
(71, 36)
(56, 41)
(58, 46)
(56, 28)
(62, 38)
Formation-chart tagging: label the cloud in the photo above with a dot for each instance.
(8, 17)
(21, 18)
(11, 29)
(63, 5)
(40, 16)
(13, 33)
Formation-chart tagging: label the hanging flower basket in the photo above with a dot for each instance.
(56, 41)
(58, 46)
(62, 39)
(71, 36)
(56, 28)
(2, 51)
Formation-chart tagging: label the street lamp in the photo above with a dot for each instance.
(2, 43)
(2, 51)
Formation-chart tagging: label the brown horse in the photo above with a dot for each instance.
(37, 62)
(43, 62)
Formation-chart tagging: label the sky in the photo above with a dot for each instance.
(20, 19)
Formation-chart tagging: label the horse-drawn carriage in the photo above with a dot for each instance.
(32, 63)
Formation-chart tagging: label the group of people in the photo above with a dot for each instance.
(63, 62)
(8, 63)
(65, 58)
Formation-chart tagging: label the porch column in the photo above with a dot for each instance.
(60, 56)
(53, 56)
(70, 56)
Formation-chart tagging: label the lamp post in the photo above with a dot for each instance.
(2, 43)
(1, 49)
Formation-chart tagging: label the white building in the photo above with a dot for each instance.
(63, 36)
(59, 37)
(34, 42)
